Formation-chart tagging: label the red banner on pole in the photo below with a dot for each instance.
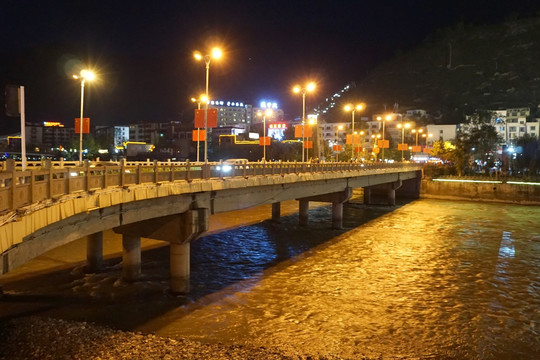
(308, 144)
(353, 139)
(264, 140)
(298, 131)
(427, 150)
(383, 143)
(417, 148)
(85, 125)
(198, 135)
(402, 147)
(211, 118)
(337, 148)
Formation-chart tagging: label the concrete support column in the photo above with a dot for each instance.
(367, 196)
(276, 211)
(94, 252)
(303, 208)
(391, 196)
(337, 215)
(131, 257)
(180, 267)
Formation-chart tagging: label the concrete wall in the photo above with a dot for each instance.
(507, 193)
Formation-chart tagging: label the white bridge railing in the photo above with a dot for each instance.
(48, 180)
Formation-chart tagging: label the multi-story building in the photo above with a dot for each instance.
(49, 135)
(145, 132)
(232, 113)
(276, 114)
(117, 134)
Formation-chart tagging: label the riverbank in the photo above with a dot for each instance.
(481, 190)
(46, 338)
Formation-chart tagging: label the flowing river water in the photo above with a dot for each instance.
(426, 279)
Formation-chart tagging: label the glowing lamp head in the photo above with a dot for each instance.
(310, 87)
(360, 107)
(88, 75)
(348, 107)
(268, 112)
(379, 118)
(407, 125)
(204, 98)
(217, 53)
(388, 117)
(197, 55)
(296, 89)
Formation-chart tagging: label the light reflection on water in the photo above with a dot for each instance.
(432, 279)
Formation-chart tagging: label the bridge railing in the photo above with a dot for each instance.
(51, 180)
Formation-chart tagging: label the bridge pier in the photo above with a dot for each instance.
(303, 207)
(337, 199)
(367, 196)
(179, 230)
(180, 267)
(276, 211)
(94, 252)
(131, 257)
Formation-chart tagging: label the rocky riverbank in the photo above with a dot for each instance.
(38, 338)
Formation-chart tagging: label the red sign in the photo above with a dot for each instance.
(417, 148)
(264, 140)
(337, 148)
(85, 125)
(427, 150)
(308, 144)
(358, 148)
(298, 131)
(200, 136)
(353, 139)
(383, 143)
(211, 118)
(402, 147)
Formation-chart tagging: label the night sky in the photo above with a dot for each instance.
(143, 50)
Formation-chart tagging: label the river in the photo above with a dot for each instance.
(425, 279)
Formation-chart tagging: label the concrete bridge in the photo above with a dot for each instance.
(50, 204)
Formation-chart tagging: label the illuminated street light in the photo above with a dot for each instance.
(264, 115)
(352, 109)
(402, 127)
(298, 89)
(203, 98)
(84, 75)
(214, 54)
(384, 120)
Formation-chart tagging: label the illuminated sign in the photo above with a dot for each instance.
(268, 105)
(277, 126)
(226, 103)
(52, 123)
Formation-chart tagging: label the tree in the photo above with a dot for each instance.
(480, 138)
(528, 159)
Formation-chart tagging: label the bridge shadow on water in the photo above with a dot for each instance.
(222, 263)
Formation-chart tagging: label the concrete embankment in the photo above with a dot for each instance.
(504, 192)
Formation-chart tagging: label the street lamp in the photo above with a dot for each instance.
(202, 98)
(352, 109)
(298, 89)
(264, 115)
(384, 120)
(83, 76)
(402, 127)
(417, 132)
(214, 54)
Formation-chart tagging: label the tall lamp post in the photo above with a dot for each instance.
(264, 115)
(299, 89)
(352, 109)
(202, 98)
(83, 76)
(214, 54)
(384, 120)
(402, 127)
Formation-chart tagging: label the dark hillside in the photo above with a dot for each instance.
(460, 69)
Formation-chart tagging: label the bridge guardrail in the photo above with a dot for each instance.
(51, 180)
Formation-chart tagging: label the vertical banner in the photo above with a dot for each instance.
(298, 131)
(308, 144)
(198, 135)
(211, 118)
(264, 140)
(383, 143)
(85, 125)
